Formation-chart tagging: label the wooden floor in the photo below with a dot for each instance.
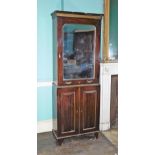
(83, 145)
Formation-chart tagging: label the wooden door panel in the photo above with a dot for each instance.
(89, 109)
(67, 111)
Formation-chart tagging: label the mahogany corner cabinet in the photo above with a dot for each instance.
(76, 58)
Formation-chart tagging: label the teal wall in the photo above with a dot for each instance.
(44, 107)
(44, 45)
(113, 28)
(88, 6)
(44, 38)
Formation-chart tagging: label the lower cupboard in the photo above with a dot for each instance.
(77, 111)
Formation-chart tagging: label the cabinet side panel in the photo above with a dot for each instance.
(54, 106)
(55, 69)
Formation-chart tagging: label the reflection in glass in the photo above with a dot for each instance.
(78, 51)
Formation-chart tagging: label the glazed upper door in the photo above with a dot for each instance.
(89, 108)
(68, 111)
(78, 50)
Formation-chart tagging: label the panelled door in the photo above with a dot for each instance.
(89, 108)
(78, 110)
(67, 111)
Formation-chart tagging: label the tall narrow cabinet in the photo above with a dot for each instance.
(76, 58)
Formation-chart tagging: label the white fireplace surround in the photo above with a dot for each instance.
(106, 70)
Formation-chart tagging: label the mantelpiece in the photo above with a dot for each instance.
(106, 71)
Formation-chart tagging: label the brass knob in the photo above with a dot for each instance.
(89, 81)
(68, 82)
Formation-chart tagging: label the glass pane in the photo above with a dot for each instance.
(78, 51)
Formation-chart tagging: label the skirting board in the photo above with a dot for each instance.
(49, 125)
(46, 125)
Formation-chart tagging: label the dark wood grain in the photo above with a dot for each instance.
(67, 111)
(78, 110)
(78, 101)
(89, 108)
